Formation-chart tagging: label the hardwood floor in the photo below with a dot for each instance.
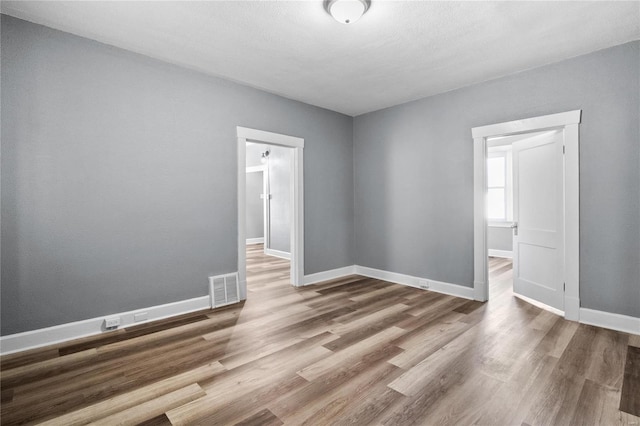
(350, 351)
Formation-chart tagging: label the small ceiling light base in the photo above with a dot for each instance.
(346, 11)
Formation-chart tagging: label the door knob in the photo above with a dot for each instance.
(514, 226)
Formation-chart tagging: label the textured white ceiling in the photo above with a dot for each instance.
(399, 51)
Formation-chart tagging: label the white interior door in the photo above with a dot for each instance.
(538, 215)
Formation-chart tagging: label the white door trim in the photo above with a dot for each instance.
(568, 121)
(245, 135)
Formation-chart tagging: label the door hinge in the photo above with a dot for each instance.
(563, 149)
(564, 287)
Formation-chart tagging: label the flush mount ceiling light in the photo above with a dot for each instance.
(347, 11)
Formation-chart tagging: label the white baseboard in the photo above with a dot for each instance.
(64, 332)
(74, 330)
(259, 240)
(332, 274)
(501, 253)
(437, 286)
(609, 320)
(277, 253)
(480, 291)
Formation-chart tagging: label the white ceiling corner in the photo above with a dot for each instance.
(397, 52)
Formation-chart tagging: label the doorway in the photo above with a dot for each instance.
(268, 195)
(294, 147)
(543, 254)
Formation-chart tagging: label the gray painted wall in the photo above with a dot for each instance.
(499, 238)
(254, 206)
(279, 164)
(414, 181)
(119, 178)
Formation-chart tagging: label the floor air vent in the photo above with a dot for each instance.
(224, 289)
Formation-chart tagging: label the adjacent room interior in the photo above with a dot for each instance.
(320, 212)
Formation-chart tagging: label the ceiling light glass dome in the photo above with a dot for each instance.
(347, 11)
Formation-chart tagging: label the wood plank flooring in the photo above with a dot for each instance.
(350, 351)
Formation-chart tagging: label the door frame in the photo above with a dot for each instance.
(569, 123)
(244, 135)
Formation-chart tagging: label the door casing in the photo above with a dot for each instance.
(569, 123)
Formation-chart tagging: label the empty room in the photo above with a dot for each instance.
(320, 212)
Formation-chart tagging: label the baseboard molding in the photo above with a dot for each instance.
(259, 240)
(277, 253)
(408, 280)
(479, 291)
(500, 253)
(332, 274)
(609, 320)
(61, 333)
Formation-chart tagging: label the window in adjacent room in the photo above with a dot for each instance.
(499, 196)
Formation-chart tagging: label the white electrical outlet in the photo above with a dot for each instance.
(140, 316)
(111, 323)
(423, 284)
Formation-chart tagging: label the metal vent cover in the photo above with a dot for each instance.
(224, 289)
